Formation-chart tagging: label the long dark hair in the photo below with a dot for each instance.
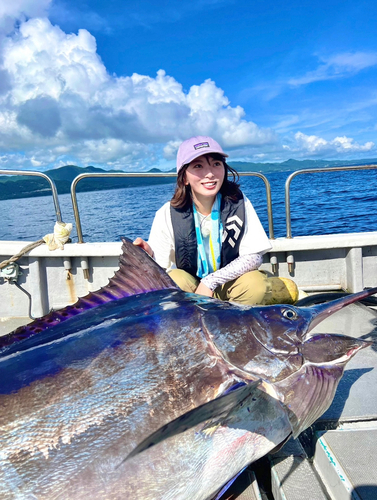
(230, 189)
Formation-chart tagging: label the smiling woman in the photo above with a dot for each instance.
(205, 175)
(209, 237)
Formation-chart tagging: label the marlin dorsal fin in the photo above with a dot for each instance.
(137, 273)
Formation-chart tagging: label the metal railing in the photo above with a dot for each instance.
(268, 199)
(48, 179)
(80, 177)
(312, 171)
(163, 175)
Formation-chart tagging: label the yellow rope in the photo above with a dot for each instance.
(21, 253)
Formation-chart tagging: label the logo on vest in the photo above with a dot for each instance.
(232, 224)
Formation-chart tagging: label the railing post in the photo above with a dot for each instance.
(313, 171)
(80, 177)
(48, 179)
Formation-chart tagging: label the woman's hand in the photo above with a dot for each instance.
(139, 242)
(204, 290)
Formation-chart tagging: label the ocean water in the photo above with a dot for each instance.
(321, 203)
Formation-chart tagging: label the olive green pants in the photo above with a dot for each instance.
(254, 287)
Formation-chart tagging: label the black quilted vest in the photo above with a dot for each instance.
(186, 251)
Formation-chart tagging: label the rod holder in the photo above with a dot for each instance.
(274, 264)
(85, 267)
(67, 267)
(290, 262)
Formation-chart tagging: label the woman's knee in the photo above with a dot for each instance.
(250, 288)
(254, 287)
(184, 280)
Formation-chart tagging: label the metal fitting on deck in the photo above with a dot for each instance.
(67, 267)
(85, 267)
(290, 262)
(274, 263)
(11, 272)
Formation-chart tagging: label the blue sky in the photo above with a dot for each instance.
(119, 84)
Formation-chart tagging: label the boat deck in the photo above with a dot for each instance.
(7, 325)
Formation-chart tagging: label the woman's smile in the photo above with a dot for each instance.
(205, 175)
(209, 185)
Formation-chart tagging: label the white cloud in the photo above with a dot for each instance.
(59, 105)
(314, 145)
(337, 66)
(12, 10)
(171, 149)
(43, 61)
(59, 97)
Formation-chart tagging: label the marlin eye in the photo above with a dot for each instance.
(289, 314)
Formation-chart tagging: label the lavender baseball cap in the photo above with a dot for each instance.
(195, 147)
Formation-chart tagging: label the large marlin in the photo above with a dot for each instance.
(141, 391)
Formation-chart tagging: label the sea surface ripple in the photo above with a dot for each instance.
(321, 203)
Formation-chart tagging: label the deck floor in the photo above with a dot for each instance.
(7, 325)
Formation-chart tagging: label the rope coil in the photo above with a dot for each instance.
(55, 240)
(21, 253)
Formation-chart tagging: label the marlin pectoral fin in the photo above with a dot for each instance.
(219, 407)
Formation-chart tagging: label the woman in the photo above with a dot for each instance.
(209, 237)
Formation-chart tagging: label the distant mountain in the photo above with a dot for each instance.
(293, 165)
(29, 186)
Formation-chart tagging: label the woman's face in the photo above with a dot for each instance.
(205, 175)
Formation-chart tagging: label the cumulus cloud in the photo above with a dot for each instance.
(59, 105)
(57, 95)
(315, 145)
(171, 149)
(20, 10)
(41, 115)
(337, 66)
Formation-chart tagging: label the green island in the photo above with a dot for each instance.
(12, 187)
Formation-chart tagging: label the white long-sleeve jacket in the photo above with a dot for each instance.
(253, 245)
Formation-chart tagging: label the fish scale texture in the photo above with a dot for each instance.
(82, 388)
(95, 387)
